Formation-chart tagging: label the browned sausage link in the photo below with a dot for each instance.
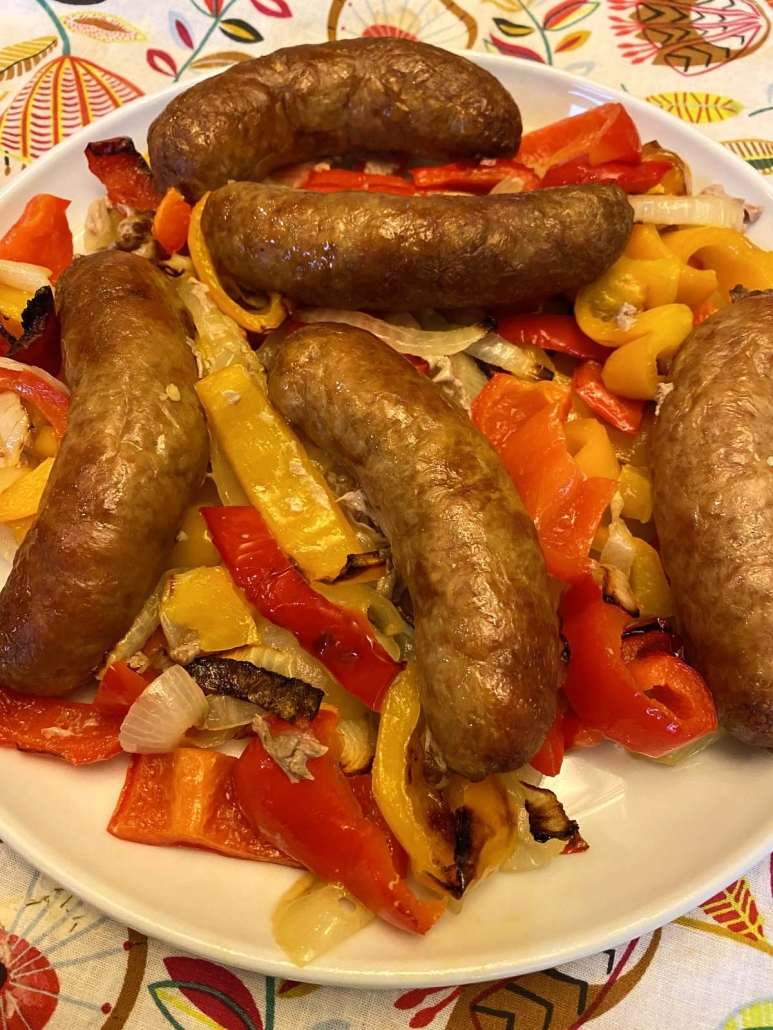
(330, 98)
(134, 450)
(486, 635)
(367, 250)
(712, 452)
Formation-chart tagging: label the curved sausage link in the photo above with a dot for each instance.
(486, 636)
(712, 455)
(325, 99)
(134, 450)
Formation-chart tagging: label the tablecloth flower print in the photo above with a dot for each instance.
(63, 64)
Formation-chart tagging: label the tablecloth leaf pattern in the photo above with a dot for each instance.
(63, 64)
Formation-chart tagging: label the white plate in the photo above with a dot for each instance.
(662, 840)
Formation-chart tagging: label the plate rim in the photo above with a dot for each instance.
(669, 907)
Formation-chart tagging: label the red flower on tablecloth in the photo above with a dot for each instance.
(29, 987)
(62, 96)
(441, 22)
(690, 36)
(220, 997)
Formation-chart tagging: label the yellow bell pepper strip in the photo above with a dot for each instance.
(731, 255)
(339, 638)
(277, 474)
(649, 583)
(20, 527)
(22, 498)
(202, 612)
(453, 838)
(591, 449)
(694, 285)
(636, 491)
(261, 321)
(632, 370)
(12, 304)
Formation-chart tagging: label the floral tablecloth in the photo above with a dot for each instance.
(64, 63)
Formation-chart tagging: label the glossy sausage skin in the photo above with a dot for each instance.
(712, 452)
(486, 636)
(129, 462)
(326, 99)
(385, 252)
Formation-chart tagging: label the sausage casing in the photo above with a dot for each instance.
(712, 454)
(384, 252)
(134, 450)
(486, 636)
(332, 98)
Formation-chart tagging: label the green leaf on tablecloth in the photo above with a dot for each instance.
(510, 29)
(23, 57)
(220, 59)
(697, 108)
(756, 152)
(181, 1005)
(568, 13)
(106, 28)
(240, 31)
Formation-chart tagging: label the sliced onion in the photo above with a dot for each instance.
(528, 853)
(468, 373)
(219, 340)
(18, 366)
(313, 917)
(619, 547)
(527, 362)
(662, 209)
(157, 721)
(228, 713)
(229, 489)
(22, 276)
(401, 338)
(145, 623)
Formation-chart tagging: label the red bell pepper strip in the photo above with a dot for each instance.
(76, 732)
(124, 172)
(39, 343)
(41, 235)
(320, 823)
(186, 798)
(475, 176)
(524, 422)
(567, 732)
(620, 412)
(342, 640)
(334, 180)
(631, 178)
(119, 689)
(609, 694)
(418, 363)
(362, 788)
(577, 734)
(651, 637)
(605, 133)
(52, 403)
(551, 332)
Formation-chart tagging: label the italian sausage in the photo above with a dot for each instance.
(393, 253)
(486, 636)
(712, 463)
(325, 99)
(134, 450)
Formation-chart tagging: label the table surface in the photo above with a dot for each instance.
(710, 62)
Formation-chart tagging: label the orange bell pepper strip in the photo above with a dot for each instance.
(621, 412)
(186, 798)
(335, 180)
(605, 133)
(76, 732)
(342, 640)
(172, 221)
(52, 403)
(320, 823)
(119, 689)
(475, 176)
(524, 422)
(41, 235)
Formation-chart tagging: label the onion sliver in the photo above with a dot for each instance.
(228, 713)
(164, 711)
(400, 338)
(313, 917)
(22, 276)
(521, 361)
(660, 209)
